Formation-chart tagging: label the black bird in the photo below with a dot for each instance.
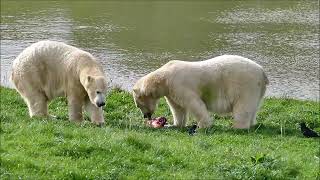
(307, 132)
(192, 130)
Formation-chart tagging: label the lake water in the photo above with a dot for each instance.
(132, 38)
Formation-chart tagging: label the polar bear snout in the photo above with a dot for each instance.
(147, 115)
(100, 104)
(99, 100)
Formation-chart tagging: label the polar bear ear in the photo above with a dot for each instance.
(136, 91)
(89, 78)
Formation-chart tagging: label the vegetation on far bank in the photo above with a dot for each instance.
(126, 149)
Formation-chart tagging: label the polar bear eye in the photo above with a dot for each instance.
(98, 92)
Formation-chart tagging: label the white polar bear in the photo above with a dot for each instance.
(222, 84)
(49, 69)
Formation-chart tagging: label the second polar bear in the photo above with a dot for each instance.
(49, 69)
(221, 85)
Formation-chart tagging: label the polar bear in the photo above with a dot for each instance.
(49, 69)
(224, 84)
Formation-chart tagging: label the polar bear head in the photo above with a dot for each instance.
(147, 92)
(96, 87)
(146, 103)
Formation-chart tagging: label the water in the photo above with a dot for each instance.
(134, 38)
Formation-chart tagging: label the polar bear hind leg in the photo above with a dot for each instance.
(243, 120)
(37, 103)
(244, 113)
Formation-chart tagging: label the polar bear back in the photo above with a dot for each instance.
(221, 69)
(54, 54)
(233, 69)
(219, 81)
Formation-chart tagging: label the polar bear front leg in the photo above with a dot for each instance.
(75, 108)
(179, 114)
(197, 107)
(96, 114)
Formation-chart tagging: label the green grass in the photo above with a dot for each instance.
(126, 149)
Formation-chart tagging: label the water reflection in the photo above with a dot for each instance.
(134, 38)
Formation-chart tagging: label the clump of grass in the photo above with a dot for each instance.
(125, 148)
(262, 166)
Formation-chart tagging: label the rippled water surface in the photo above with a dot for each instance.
(133, 38)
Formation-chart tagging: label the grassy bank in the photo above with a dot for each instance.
(125, 148)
